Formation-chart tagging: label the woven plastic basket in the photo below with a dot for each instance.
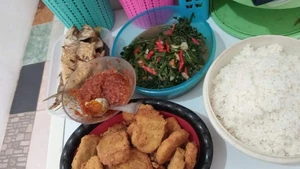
(134, 7)
(80, 12)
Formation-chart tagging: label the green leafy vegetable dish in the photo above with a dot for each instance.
(169, 57)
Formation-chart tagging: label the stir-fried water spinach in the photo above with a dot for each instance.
(171, 57)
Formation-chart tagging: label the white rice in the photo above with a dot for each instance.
(257, 99)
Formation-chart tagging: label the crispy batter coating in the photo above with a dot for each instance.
(154, 163)
(177, 161)
(86, 150)
(131, 128)
(146, 108)
(93, 163)
(157, 166)
(191, 151)
(115, 128)
(172, 125)
(137, 160)
(114, 148)
(161, 167)
(168, 146)
(149, 129)
(128, 117)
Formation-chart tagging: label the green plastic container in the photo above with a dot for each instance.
(80, 12)
(279, 4)
(243, 21)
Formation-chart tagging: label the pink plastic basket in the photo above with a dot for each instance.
(134, 7)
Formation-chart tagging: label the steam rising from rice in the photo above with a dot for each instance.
(257, 99)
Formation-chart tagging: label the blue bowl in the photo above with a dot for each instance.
(164, 16)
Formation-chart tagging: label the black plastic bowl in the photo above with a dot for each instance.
(205, 154)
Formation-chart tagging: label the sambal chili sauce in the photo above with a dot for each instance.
(108, 84)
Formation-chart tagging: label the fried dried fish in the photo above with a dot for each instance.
(86, 51)
(88, 34)
(71, 37)
(79, 47)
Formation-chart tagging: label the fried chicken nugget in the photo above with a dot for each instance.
(146, 108)
(168, 146)
(148, 130)
(177, 161)
(93, 163)
(133, 126)
(86, 149)
(115, 128)
(172, 125)
(161, 167)
(114, 148)
(128, 117)
(157, 166)
(137, 160)
(191, 151)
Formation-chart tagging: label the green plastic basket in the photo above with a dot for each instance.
(80, 12)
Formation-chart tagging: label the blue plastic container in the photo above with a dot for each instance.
(198, 6)
(129, 31)
(80, 12)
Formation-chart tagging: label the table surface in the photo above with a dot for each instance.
(225, 156)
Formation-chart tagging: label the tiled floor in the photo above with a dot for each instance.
(16, 143)
(28, 88)
(43, 15)
(26, 139)
(16, 19)
(37, 45)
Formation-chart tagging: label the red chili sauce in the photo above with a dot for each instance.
(109, 84)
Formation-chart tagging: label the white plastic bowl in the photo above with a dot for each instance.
(291, 46)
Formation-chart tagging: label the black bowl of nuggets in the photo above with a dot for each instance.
(161, 135)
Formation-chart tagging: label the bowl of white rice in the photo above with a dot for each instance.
(252, 97)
